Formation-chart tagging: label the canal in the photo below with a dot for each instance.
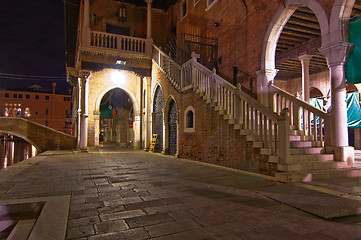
(14, 150)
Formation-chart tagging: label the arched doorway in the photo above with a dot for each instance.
(172, 127)
(116, 119)
(158, 118)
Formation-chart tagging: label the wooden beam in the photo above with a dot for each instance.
(308, 47)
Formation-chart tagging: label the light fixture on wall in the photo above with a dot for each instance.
(216, 24)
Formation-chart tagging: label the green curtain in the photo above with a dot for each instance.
(106, 110)
(352, 69)
(353, 110)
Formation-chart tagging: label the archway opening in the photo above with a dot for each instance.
(116, 119)
(300, 39)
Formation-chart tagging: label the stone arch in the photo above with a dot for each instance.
(340, 15)
(158, 117)
(315, 92)
(19, 135)
(171, 126)
(130, 94)
(123, 123)
(278, 22)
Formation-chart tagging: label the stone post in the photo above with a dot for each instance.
(86, 25)
(83, 145)
(78, 113)
(149, 40)
(305, 62)
(148, 125)
(264, 78)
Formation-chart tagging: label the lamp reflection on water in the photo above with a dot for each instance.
(14, 150)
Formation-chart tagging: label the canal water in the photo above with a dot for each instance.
(14, 150)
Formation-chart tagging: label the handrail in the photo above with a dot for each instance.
(172, 69)
(314, 122)
(303, 104)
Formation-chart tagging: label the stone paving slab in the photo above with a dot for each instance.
(321, 204)
(122, 194)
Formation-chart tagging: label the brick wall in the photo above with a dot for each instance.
(214, 140)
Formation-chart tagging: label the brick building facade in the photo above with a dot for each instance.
(269, 50)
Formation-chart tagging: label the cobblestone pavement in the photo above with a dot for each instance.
(122, 194)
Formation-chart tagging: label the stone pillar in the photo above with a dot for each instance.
(305, 62)
(86, 24)
(148, 125)
(336, 58)
(149, 40)
(78, 113)
(264, 78)
(83, 145)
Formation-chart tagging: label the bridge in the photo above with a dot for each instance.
(42, 137)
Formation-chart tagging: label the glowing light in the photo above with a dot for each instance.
(33, 151)
(118, 78)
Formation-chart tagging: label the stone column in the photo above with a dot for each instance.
(86, 25)
(305, 62)
(149, 40)
(336, 58)
(264, 78)
(83, 145)
(149, 18)
(148, 125)
(78, 112)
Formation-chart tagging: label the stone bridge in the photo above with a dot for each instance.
(42, 137)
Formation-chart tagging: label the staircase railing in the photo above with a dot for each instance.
(313, 122)
(249, 115)
(172, 69)
(239, 108)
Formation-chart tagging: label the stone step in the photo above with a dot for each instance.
(257, 144)
(273, 159)
(318, 175)
(311, 166)
(298, 158)
(300, 138)
(310, 150)
(300, 144)
(297, 132)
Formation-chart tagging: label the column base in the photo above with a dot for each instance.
(343, 154)
(85, 150)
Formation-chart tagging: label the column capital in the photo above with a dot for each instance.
(149, 1)
(85, 74)
(337, 53)
(305, 58)
(269, 74)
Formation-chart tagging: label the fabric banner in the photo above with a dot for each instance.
(353, 110)
(352, 69)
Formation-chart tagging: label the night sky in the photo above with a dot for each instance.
(32, 43)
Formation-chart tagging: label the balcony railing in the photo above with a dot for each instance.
(118, 42)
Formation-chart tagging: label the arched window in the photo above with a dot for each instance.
(189, 119)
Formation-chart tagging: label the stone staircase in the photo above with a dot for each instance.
(300, 153)
(308, 162)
